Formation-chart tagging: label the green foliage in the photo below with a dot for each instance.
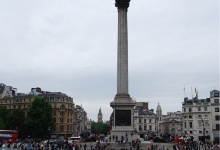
(39, 117)
(12, 120)
(2, 125)
(4, 114)
(16, 119)
(100, 128)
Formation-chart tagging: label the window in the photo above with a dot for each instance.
(61, 128)
(216, 109)
(199, 108)
(184, 109)
(139, 120)
(150, 121)
(217, 127)
(200, 124)
(205, 109)
(140, 128)
(150, 127)
(145, 127)
(216, 95)
(216, 100)
(190, 124)
(190, 109)
(217, 117)
(190, 116)
(190, 132)
(185, 124)
(200, 132)
(199, 116)
(144, 120)
(206, 124)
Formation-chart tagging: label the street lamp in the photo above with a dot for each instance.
(203, 129)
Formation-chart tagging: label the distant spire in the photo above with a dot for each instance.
(100, 115)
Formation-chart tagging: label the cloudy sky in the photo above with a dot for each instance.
(70, 46)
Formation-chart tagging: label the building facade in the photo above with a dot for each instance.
(69, 119)
(7, 91)
(196, 118)
(215, 111)
(145, 120)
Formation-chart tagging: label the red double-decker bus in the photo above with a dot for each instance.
(9, 136)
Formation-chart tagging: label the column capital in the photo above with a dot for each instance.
(122, 4)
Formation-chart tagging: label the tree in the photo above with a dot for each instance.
(16, 121)
(105, 129)
(39, 117)
(100, 128)
(2, 125)
(4, 115)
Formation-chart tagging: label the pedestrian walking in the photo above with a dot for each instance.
(85, 146)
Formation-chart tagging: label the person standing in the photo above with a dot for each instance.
(85, 146)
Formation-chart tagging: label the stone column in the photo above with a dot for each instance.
(122, 105)
(122, 64)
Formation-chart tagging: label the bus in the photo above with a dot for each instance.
(9, 136)
(74, 139)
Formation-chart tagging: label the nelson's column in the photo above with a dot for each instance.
(123, 104)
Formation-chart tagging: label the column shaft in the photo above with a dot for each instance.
(122, 64)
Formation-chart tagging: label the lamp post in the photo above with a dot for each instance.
(203, 130)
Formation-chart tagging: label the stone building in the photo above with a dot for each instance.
(215, 120)
(145, 120)
(63, 113)
(7, 91)
(83, 123)
(69, 119)
(170, 123)
(196, 118)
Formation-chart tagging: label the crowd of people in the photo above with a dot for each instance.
(102, 143)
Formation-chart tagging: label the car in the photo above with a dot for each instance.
(159, 139)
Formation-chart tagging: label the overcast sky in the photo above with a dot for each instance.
(70, 46)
